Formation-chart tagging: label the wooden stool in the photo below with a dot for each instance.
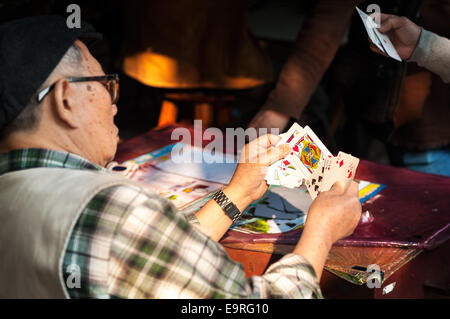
(211, 109)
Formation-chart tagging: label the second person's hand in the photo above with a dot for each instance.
(403, 33)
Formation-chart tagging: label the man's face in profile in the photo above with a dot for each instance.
(100, 134)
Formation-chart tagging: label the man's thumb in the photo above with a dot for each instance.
(338, 187)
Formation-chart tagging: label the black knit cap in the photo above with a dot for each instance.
(30, 49)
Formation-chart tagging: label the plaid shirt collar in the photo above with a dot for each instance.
(34, 157)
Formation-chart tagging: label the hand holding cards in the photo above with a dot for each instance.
(381, 40)
(310, 161)
(307, 152)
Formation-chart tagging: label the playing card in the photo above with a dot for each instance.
(314, 182)
(291, 181)
(308, 153)
(284, 172)
(370, 26)
(292, 135)
(288, 174)
(343, 169)
(272, 175)
(381, 40)
(283, 137)
(387, 45)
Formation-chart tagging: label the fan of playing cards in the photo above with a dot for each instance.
(310, 162)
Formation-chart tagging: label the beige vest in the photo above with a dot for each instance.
(39, 208)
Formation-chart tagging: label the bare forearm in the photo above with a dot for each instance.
(246, 185)
(315, 248)
(315, 48)
(213, 220)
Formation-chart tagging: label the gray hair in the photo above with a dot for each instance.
(71, 64)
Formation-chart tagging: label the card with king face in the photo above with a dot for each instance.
(308, 152)
(310, 162)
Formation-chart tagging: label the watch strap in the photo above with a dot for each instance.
(227, 206)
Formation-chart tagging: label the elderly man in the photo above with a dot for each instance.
(62, 210)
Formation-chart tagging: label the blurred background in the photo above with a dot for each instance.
(231, 63)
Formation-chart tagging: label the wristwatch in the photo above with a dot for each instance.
(227, 206)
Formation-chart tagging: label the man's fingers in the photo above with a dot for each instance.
(392, 22)
(276, 154)
(266, 141)
(353, 189)
(339, 188)
(262, 150)
(273, 139)
(386, 26)
(381, 17)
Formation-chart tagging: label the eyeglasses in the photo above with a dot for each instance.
(109, 81)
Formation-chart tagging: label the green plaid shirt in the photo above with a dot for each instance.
(129, 243)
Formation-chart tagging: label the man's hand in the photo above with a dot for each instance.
(402, 32)
(335, 214)
(270, 119)
(248, 183)
(332, 216)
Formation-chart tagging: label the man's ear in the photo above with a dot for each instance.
(65, 103)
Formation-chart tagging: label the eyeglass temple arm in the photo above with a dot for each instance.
(43, 93)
